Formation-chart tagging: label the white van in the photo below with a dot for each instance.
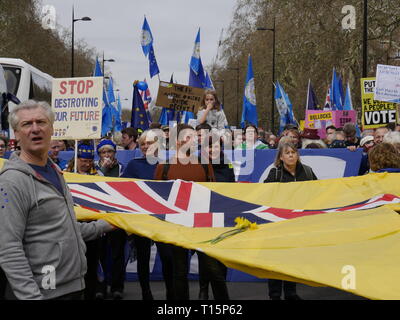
(25, 82)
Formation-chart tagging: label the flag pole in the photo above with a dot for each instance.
(76, 156)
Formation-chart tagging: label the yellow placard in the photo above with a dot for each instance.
(375, 113)
(320, 116)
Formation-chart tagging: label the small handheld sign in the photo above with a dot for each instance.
(179, 97)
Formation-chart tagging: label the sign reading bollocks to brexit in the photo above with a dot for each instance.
(375, 113)
(77, 104)
(320, 119)
(179, 97)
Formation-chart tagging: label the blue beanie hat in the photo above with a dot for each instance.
(106, 142)
(85, 151)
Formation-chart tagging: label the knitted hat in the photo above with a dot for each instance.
(85, 151)
(106, 142)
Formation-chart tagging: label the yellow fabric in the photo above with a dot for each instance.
(313, 250)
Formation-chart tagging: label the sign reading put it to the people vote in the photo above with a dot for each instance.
(77, 104)
(179, 97)
(375, 113)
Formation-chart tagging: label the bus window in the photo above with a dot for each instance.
(13, 77)
(40, 89)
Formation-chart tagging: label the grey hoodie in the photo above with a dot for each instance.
(40, 239)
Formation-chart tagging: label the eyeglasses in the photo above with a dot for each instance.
(2, 146)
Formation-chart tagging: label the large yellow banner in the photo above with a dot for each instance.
(355, 251)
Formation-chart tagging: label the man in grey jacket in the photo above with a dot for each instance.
(42, 249)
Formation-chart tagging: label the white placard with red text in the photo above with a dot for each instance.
(77, 104)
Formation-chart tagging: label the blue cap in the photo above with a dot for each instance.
(106, 142)
(85, 151)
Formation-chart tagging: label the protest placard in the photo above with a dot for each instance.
(387, 83)
(179, 97)
(375, 113)
(319, 119)
(77, 104)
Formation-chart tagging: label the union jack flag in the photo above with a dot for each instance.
(191, 204)
(146, 97)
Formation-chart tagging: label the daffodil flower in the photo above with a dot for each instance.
(242, 225)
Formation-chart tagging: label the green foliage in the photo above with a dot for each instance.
(22, 36)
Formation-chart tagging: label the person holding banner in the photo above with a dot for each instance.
(183, 165)
(85, 165)
(211, 111)
(109, 166)
(42, 250)
(143, 168)
(210, 269)
(288, 168)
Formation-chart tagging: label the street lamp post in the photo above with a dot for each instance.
(73, 34)
(106, 60)
(273, 72)
(365, 41)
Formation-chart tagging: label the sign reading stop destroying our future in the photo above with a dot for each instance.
(179, 97)
(375, 113)
(77, 104)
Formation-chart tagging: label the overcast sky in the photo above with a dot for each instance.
(116, 29)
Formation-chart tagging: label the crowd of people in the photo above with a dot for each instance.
(38, 226)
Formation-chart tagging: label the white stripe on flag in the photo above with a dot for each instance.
(218, 220)
(199, 199)
(183, 219)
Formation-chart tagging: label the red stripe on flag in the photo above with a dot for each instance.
(133, 192)
(202, 220)
(111, 204)
(290, 214)
(183, 197)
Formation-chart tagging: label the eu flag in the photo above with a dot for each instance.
(336, 95)
(110, 92)
(285, 108)
(209, 84)
(195, 60)
(166, 116)
(153, 63)
(139, 119)
(147, 38)
(197, 78)
(107, 116)
(249, 113)
(312, 101)
(117, 115)
(97, 69)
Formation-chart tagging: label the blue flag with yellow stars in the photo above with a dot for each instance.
(139, 119)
